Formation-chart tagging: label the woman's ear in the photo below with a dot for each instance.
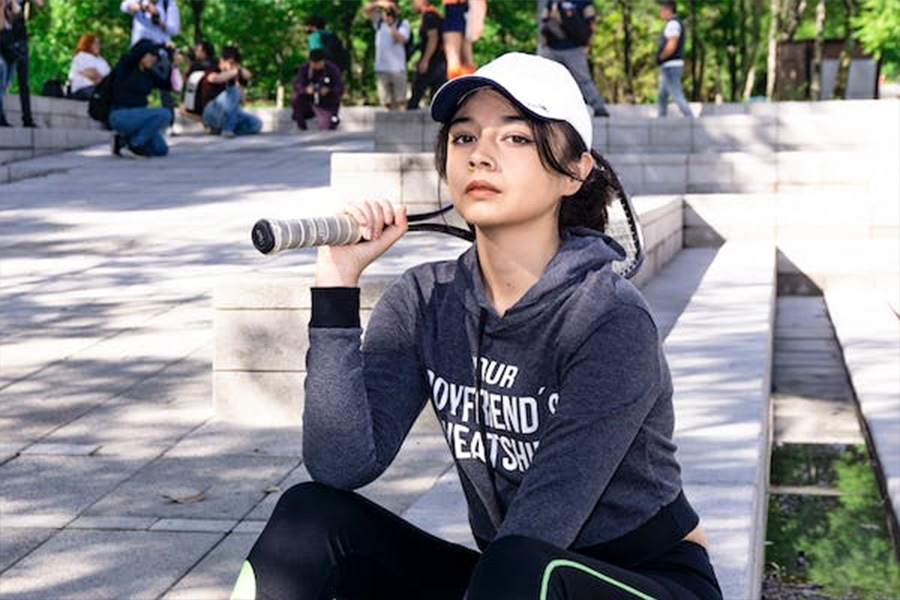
(583, 169)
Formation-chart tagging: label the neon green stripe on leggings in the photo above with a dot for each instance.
(545, 584)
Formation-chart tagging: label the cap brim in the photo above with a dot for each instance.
(448, 97)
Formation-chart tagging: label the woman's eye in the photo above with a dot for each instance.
(519, 139)
(462, 138)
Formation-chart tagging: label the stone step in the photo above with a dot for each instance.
(411, 177)
(19, 143)
(864, 126)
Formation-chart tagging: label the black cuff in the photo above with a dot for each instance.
(335, 307)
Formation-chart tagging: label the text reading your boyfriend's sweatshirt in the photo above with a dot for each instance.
(558, 414)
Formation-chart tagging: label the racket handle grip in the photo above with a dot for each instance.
(274, 235)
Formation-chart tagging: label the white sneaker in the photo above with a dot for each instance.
(227, 134)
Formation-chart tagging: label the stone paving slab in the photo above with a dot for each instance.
(215, 487)
(214, 576)
(110, 564)
(32, 486)
(17, 542)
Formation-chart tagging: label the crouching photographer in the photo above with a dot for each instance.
(139, 129)
(223, 114)
(318, 89)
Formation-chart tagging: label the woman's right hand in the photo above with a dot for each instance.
(382, 225)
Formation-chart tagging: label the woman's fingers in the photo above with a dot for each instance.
(373, 217)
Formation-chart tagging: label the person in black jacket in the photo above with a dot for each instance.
(138, 128)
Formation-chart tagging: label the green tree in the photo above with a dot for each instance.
(877, 26)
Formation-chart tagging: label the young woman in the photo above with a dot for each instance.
(544, 367)
(88, 67)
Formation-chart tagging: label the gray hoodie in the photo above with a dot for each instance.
(573, 442)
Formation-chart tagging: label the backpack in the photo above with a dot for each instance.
(410, 46)
(53, 88)
(192, 96)
(100, 102)
(334, 50)
(577, 28)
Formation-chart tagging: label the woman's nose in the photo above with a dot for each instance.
(482, 156)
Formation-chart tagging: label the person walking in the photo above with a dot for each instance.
(431, 68)
(543, 366)
(14, 55)
(567, 27)
(670, 58)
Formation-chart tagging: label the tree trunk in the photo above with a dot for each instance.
(840, 86)
(732, 51)
(197, 7)
(772, 57)
(696, 49)
(753, 54)
(626, 50)
(815, 88)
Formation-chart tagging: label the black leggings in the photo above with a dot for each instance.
(325, 543)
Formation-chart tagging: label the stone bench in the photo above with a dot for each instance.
(278, 120)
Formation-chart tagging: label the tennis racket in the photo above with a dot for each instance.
(271, 236)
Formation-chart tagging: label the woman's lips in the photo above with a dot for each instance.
(481, 188)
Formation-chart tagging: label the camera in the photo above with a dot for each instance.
(391, 13)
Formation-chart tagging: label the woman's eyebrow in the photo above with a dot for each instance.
(505, 119)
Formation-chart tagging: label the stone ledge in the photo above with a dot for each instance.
(868, 331)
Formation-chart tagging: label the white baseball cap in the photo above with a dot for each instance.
(540, 87)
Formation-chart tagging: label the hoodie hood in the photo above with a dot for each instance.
(143, 47)
(582, 253)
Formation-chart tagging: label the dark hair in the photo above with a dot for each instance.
(670, 4)
(208, 49)
(231, 53)
(316, 55)
(559, 146)
(315, 21)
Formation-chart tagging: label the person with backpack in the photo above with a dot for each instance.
(431, 69)
(318, 88)
(391, 37)
(566, 30)
(670, 58)
(319, 37)
(14, 55)
(139, 129)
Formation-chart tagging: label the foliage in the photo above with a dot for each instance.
(719, 51)
(841, 543)
(877, 26)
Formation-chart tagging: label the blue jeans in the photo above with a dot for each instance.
(224, 113)
(5, 78)
(142, 128)
(670, 85)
